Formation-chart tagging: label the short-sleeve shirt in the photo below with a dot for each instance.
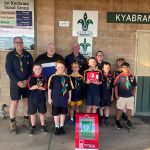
(125, 84)
(55, 84)
(37, 96)
(77, 92)
(92, 89)
(106, 86)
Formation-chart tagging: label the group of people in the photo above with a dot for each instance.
(65, 83)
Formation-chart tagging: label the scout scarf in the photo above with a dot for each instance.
(20, 61)
(64, 88)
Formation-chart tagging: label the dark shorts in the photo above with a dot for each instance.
(16, 92)
(92, 100)
(34, 107)
(59, 110)
(106, 102)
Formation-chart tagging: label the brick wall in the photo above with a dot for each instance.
(116, 40)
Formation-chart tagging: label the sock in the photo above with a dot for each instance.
(12, 119)
(33, 127)
(117, 121)
(61, 125)
(42, 126)
(57, 126)
(71, 119)
(26, 117)
(106, 118)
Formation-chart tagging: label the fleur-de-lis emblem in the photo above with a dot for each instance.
(85, 45)
(85, 22)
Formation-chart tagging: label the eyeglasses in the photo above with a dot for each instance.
(19, 42)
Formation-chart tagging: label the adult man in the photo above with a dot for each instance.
(18, 67)
(75, 56)
(48, 60)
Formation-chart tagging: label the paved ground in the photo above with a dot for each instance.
(110, 138)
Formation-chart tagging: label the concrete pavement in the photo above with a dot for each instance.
(110, 137)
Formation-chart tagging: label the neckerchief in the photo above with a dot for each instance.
(20, 61)
(63, 83)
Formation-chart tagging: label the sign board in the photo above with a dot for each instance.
(85, 46)
(125, 17)
(16, 19)
(87, 132)
(85, 23)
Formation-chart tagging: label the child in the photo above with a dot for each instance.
(100, 59)
(77, 92)
(106, 93)
(37, 102)
(116, 73)
(59, 95)
(125, 86)
(118, 66)
(93, 87)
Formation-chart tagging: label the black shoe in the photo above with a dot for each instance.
(44, 130)
(32, 131)
(62, 131)
(57, 131)
(130, 125)
(124, 116)
(118, 125)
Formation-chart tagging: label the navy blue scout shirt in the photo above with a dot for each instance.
(93, 89)
(37, 96)
(106, 86)
(18, 67)
(116, 73)
(80, 59)
(77, 92)
(125, 84)
(48, 63)
(54, 83)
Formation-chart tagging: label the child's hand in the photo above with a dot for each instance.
(87, 82)
(34, 87)
(97, 82)
(69, 100)
(112, 98)
(50, 101)
(117, 97)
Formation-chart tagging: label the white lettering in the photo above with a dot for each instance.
(128, 18)
(139, 18)
(117, 17)
(145, 18)
(123, 17)
(133, 17)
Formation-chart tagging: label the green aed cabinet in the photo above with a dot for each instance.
(143, 94)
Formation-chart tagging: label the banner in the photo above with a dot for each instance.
(16, 19)
(85, 23)
(87, 132)
(85, 46)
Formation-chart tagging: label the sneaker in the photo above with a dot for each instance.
(44, 130)
(129, 125)
(118, 125)
(26, 123)
(32, 131)
(57, 131)
(70, 122)
(124, 116)
(62, 131)
(13, 127)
